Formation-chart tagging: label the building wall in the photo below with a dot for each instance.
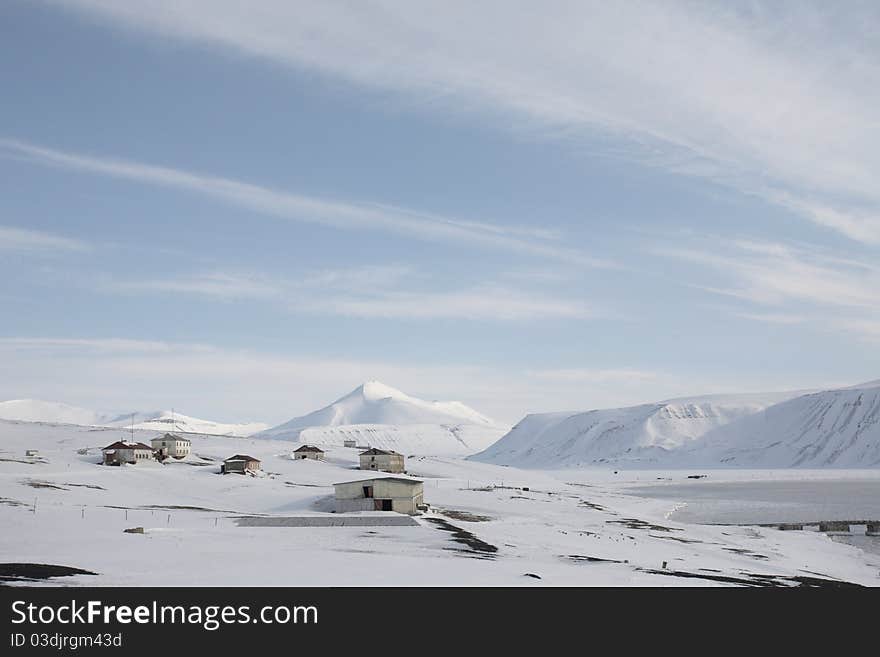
(315, 456)
(176, 448)
(129, 456)
(404, 496)
(241, 467)
(382, 462)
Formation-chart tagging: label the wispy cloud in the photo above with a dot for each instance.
(21, 239)
(774, 99)
(105, 345)
(787, 284)
(485, 303)
(377, 292)
(581, 375)
(337, 214)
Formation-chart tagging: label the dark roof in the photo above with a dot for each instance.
(241, 457)
(359, 481)
(308, 448)
(121, 444)
(373, 451)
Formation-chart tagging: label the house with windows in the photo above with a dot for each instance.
(308, 452)
(126, 452)
(171, 445)
(240, 464)
(400, 494)
(384, 460)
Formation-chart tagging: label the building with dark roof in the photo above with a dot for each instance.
(384, 460)
(240, 464)
(308, 452)
(126, 452)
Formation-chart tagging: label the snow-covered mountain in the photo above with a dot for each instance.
(47, 412)
(177, 422)
(37, 410)
(381, 416)
(636, 434)
(833, 428)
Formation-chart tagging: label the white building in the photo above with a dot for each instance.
(171, 445)
(125, 452)
(399, 494)
(385, 460)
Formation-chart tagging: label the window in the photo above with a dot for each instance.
(368, 491)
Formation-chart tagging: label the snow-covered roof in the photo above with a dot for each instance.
(408, 480)
(309, 448)
(375, 451)
(240, 457)
(122, 444)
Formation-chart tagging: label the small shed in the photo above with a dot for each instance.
(400, 494)
(385, 460)
(240, 464)
(308, 452)
(171, 445)
(125, 452)
(349, 443)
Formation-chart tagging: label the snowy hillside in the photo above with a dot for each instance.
(635, 434)
(36, 410)
(433, 439)
(46, 412)
(380, 416)
(836, 428)
(171, 421)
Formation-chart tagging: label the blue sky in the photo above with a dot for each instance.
(245, 213)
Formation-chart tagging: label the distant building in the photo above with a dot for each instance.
(398, 494)
(308, 452)
(171, 445)
(349, 443)
(240, 464)
(125, 452)
(381, 459)
(32, 452)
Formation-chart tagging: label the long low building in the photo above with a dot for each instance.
(399, 494)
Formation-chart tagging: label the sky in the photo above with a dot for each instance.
(243, 211)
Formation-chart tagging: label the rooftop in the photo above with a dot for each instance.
(122, 444)
(241, 457)
(374, 451)
(309, 448)
(393, 478)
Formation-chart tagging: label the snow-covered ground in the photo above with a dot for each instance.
(580, 527)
